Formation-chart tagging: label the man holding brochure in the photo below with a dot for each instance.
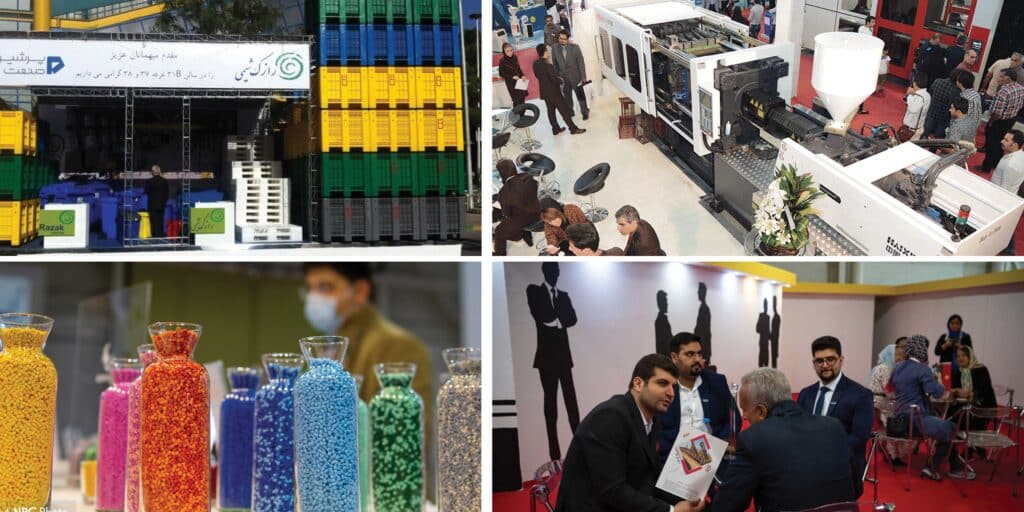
(611, 464)
(787, 459)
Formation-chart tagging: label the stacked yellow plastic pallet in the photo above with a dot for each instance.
(19, 220)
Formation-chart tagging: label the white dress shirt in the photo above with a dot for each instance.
(691, 410)
(863, 29)
(828, 394)
(1010, 171)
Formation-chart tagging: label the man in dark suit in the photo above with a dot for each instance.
(157, 192)
(787, 459)
(553, 313)
(764, 335)
(551, 92)
(568, 59)
(662, 329)
(585, 241)
(611, 465)
(642, 240)
(700, 394)
(519, 206)
(841, 398)
(702, 329)
(776, 325)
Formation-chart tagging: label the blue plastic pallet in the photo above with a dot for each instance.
(437, 45)
(341, 44)
(389, 45)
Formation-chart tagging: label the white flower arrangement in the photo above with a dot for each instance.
(781, 219)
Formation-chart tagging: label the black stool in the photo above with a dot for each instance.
(524, 116)
(589, 184)
(498, 143)
(539, 166)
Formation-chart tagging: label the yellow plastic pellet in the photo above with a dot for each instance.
(28, 405)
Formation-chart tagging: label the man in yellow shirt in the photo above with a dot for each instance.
(338, 301)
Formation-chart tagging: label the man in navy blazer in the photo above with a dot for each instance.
(712, 400)
(840, 397)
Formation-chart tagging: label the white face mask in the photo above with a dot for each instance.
(321, 312)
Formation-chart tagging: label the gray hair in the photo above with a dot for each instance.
(1019, 55)
(767, 386)
(629, 213)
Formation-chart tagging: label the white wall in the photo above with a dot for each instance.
(847, 317)
(616, 308)
(894, 274)
(503, 383)
(992, 316)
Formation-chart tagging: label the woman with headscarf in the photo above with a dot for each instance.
(557, 219)
(914, 382)
(952, 339)
(974, 386)
(881, 384)
(519, 206)
(510, 71)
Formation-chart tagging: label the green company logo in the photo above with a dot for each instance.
(57, 223)
(217, 215)
(290, 66)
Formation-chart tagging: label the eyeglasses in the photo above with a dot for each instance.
(821, 361)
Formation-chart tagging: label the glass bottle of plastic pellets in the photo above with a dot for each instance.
(238, 420)
(28, 406)
(396, 419)
(458, 433)
(273, 477)
(326, 428)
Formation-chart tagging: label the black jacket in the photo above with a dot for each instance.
(946, 356)
(157, 192)
(553, 351)
(548, 80)
(789, 461)
(854, 406)
(611, 465)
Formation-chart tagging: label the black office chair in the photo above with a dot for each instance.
(498, 143)
(588, 185)
(539, 166)
(523, 116)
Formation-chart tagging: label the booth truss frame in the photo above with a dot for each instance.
(185, 96)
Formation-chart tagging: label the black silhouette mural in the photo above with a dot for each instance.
(553, 314)
(764, 333)
(703, 328)
(776, 325)
(662, 329)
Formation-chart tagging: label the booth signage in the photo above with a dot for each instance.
(150, 64)
(57, 223)
(207, 221)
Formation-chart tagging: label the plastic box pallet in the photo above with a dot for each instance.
(438, 87)
(441, 174)
(298, 172)
(21, 177)
(255, 170)
(395, 130)
(388, 45)
(18, 133)
(437, 45)
(19, 221)
(435, 11)
(440, 130)
(368, 174)
(254, 234)
(443, 217)
(398, 219)
(348, 220)
(341, 44)
(346, 130)
(337, 10)
(343, 87)
(262, 202)
(391, 87)
(390, 11)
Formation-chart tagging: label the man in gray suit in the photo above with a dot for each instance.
(550, 31)
(568, 60)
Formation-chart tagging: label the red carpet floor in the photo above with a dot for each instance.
(924, 495)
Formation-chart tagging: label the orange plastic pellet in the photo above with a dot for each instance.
(175, 427)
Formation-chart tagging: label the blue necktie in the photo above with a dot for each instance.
(820, 404)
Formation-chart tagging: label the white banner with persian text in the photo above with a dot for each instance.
(153, 64)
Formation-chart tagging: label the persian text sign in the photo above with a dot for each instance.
(152, 64)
